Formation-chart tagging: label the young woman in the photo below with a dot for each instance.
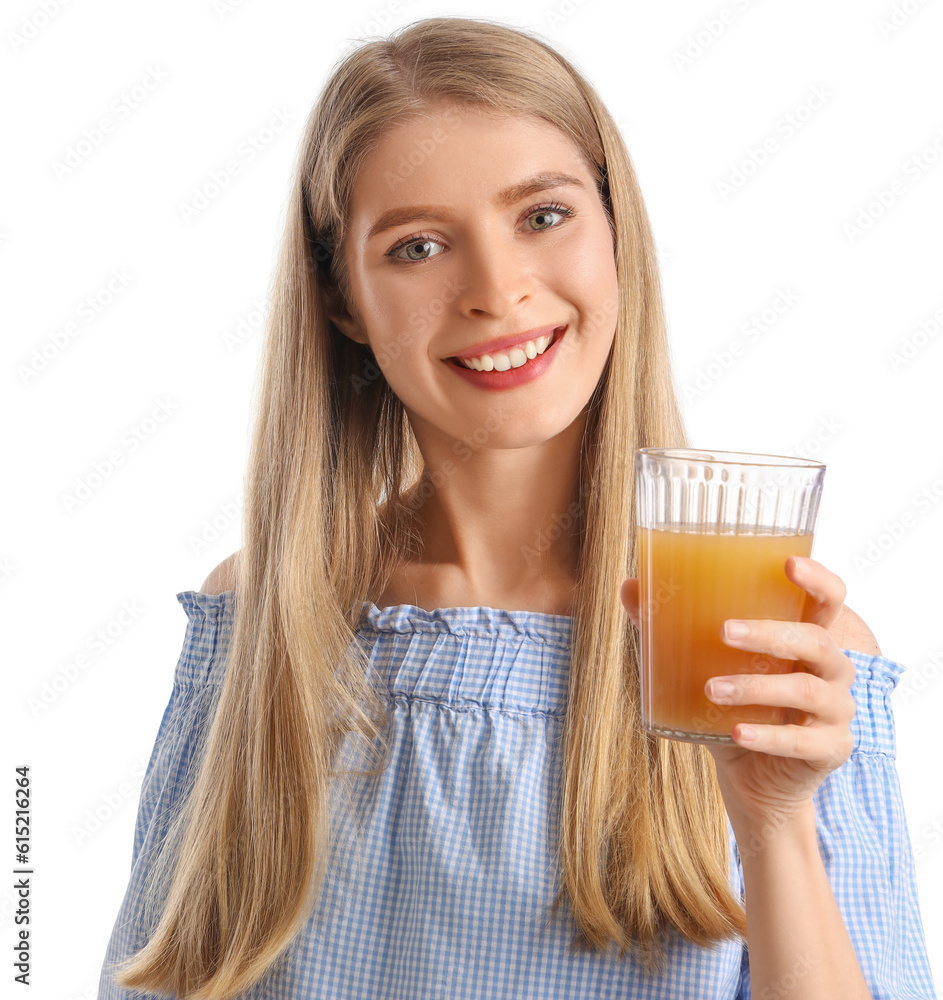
(403, 754)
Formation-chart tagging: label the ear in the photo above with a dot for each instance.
(340, 316)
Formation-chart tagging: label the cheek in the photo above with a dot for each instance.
(592, 257)
(594, 282)
(401, 359)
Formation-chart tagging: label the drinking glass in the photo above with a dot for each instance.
(714, 531)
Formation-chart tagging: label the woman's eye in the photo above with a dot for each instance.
(424, 242)
(545, 211)
(542, 215)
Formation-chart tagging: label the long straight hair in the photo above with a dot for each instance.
(331, 485)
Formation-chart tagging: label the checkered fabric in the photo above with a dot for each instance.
(443, 869)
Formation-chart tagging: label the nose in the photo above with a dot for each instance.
(496, 276)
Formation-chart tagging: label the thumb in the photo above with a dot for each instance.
(628, 593)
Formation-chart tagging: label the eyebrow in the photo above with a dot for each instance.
(399, 216)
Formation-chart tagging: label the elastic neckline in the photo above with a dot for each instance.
(412, 618)
(478, 619)
(411, 608)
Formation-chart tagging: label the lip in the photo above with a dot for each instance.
(498, 381)
(491, 346)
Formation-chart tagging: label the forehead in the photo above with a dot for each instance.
(456, 155)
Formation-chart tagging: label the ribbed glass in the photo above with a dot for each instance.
(681, 489)
(715, 530)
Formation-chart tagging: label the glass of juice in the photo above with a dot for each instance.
(714, 531)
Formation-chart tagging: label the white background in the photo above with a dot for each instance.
(695, 96)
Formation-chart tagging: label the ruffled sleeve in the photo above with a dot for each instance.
(865, 845)
(171, 768)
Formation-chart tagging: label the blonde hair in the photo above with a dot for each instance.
(643, 834)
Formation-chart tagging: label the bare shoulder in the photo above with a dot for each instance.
(223, 576)
(850, 632)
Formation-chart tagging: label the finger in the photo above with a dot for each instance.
(823, 702)
(823, 747)
(629, 596)
(825, 590)
(809, 644)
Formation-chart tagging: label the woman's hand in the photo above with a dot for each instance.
(774, 769)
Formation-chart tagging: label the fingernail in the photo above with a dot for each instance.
(735, 629)
(747, 733)
(721, 689)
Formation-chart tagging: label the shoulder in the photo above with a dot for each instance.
(850, 632)
(223, 576)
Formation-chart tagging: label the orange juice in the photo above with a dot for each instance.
(689, 583)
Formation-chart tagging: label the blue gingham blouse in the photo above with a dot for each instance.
(444, 874)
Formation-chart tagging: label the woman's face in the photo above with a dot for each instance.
(444, 255)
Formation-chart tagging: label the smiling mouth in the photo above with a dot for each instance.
(557, 333)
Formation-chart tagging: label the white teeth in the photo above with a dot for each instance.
(501, 361)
